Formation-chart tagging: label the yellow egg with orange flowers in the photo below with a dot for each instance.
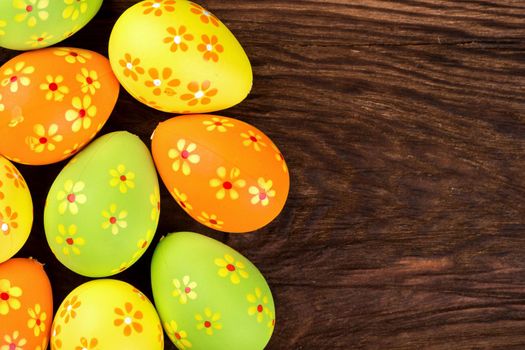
(223, 172)
(53, 102)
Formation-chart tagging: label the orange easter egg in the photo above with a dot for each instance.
(53, 102)
(223, 172)
(26, 305)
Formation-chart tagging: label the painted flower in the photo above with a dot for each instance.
(114, 219)
(81, 114)
(160, 334)
(199, 93)
(280, 158)
(162, 84)
(271, 322)
(68, 239)
(13, 174)
(17, 76)
(72, 31)
(143, 243)
(37, 319)
(208, 321)
(74, 8)
(13, 342)
(9, 295)
(262, 193)
(205, 16)
(184, 290)
(44, 139)
(253, 139)
(258, 305)
(210, 47)
(32, 10)
(88, 80)
(139, 294)
(7, 220)
(157, 6)
(183, 156)
(210, 220)
(53, 88)
(177, 38)
(123, 179)
(154, 200)
(232, 268)
(219, 124)
(73, 150)
(182, 199)
(2, 106)
(86, 344)
(71, 56)
(123, 266)
(16, 117)
(69, 309)
(227, 183)
(71, 196)
(39, 40)
(177, 336)
(131, 66)
(56, 341)
(2, 25)
(128, 318)
(149, 103)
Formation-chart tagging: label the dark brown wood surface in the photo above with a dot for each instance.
(403, 125)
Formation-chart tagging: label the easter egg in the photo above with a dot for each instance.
(176, 56)
(16, 210)
(223, 172)
(34, 24)
(53, 102)
(26, 305)
(103, 208)
(209, 296)
(106, 314)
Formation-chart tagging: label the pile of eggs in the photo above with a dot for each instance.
(102, 211)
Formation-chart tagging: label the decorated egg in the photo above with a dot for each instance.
(223, 172)
(16, 210)
(33, 24)
(53, 102)
(26, 305)
(103, 208)
(106, 314)
(178, 57)
(209, 296)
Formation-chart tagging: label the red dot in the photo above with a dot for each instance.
(253, 138)
(144, 244)
(13, 78)
(187, 290)
(4, 296)
(69, 241)
(177, 335)
(123, 178)
(89, 80)
(182, 204)
(74, 54)
(230, 267)
(71, 197)
(207, 324)
(185, 154)
(227, 185)
(213, 221)
(29, 8)
(262, 196)
(40, 39)
(42, 140)
(259, 308)
(53, 87)
(113, 220)
(82, 113)
(218, 123)
(12, 346)
(38, 322)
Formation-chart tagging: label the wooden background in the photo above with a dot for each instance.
(403, 124)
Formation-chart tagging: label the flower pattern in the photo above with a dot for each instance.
(88, 80)
(128, 318)
(182, 199)
(39, 40)
(183, 156)
(86, 344)
(68, 239)
(37, 319)
(210, 47)
(157, 6)
(139, 294)
(154, 200)
(2, 25)
(132, 68)
(2, 106)
(199, 93)
(227, 183)
(8, 220)
(262, 193)
(71, 196)
(219, 124)
(123, 266)
(177, 336)
(142, 244)
(114, 220)
(13, 342)
(184, 290)
(32, 11)
(54, 88)
(69, 310)
(71, 56)
(122, 179)
(205, 16)
(56, 341)
(74, 8)
(9, 295)
(17, 76)
(44, 140)
(162, 83)
(232, 268)
(210, 220)
(177, 38)
(208, 321)
(280, 158)
(258, 305)
(253, 139)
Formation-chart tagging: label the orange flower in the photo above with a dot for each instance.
(211, 48)
(131, 67)
(129, 319)
(7, 220)
(162, 85)
(198, 94)
(156, 6)
(69, 308)
(176, 38)
(87, 344)
(12, 173)
(205, 16)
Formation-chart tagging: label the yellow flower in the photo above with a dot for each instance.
(2, 25)
(208, 322)
(17, 76)
(142, 244)
(114, 220)
(154, 199)
(263, 193)
(2, 107)
(182, 198)
(227, 184)
(178, 337)
(74, 8)
(280, 158)
(14, 342)
(43, 345)
(36, 321)
(8, 297)
(259, 305)
(89, 81)
(183, 156)
(54, 89)
(122, 267)
(252, 138)
(210, 220)
(121, 178)
(67, 238)
(219, 124)
(71, 56)
(43, 140)
(71, 196)
(230, 267)
(81, 114)
(39, 40)
(32, 10)
(184, 290)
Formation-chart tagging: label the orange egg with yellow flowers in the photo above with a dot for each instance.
(225, 173)
(53, 102)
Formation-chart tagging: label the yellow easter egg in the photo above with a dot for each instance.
(178, 57)
(16, 210)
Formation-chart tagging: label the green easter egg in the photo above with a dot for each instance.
(33, 24)
(103, 208)
(209, 296)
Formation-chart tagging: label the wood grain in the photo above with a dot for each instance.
(403, 125)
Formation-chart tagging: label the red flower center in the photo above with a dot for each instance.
(123, 178)
(71, 197)
(69, 241)
(262, 196)
(213, 221)
(177, 335)
(230, 267)
(82, 113)
(42, 140)
(273, 322)
(53, 87)
(227, 185)
(207, 324)
(29, 8)
(74, 54)
(185, 154)
(89, 80)
(144, 244)
(38, 322)
(187, 290)
(40, 39)
(218, 123)
(253, 138)
(112, 220)
(182, 204)
(260, 308)
(13, 78)
(12, 346)
(4, 296)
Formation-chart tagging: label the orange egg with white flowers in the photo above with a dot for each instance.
(225, 173)
(53, 102)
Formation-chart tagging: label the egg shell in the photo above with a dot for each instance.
(210, 293)
(103, 208)
(16, 210)
(176, 56)
(106, 314)
(26, 305)
(34, 24)
(53, 102)
(223, 172)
